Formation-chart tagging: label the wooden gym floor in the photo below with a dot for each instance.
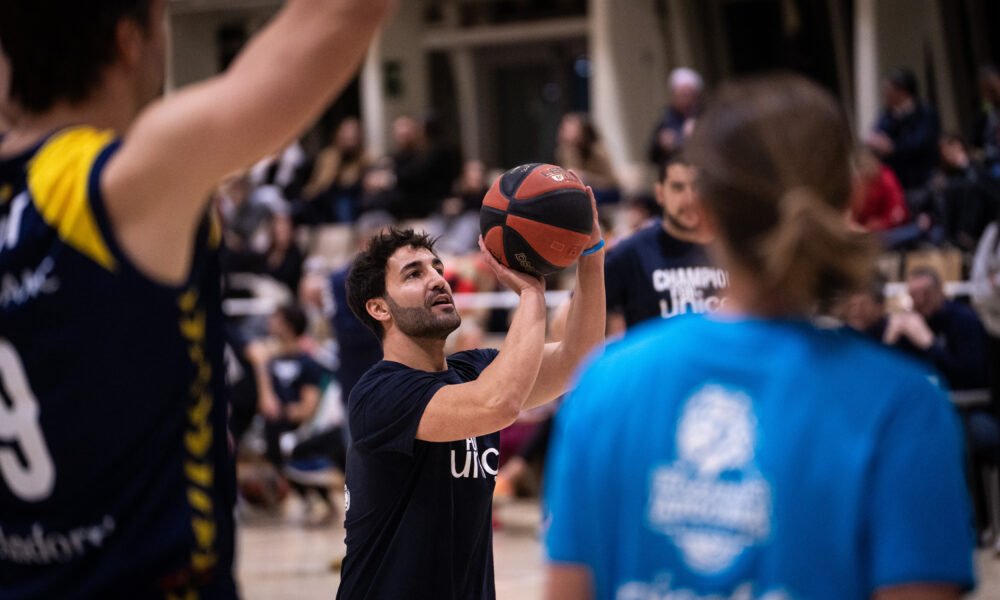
(281, 559)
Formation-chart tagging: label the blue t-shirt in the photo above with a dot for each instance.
(653, 274)
(419, 514)
(757, 459)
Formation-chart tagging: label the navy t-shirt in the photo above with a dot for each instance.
(360, 349)
(290, 373)
(418, 513)
(116, 480)
(653, 274)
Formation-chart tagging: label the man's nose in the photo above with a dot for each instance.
(438, 282)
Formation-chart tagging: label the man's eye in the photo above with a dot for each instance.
(411, 274)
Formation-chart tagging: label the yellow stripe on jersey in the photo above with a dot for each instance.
(58, 177)
(214, 231)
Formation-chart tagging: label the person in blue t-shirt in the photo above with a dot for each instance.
(422, 467)
(750, 454)
(664, 270)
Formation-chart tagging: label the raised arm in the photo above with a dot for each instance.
(494, 399)
(585, 325)
(157, 184)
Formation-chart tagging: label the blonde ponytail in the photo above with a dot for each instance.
(811, 254)
(774, 171)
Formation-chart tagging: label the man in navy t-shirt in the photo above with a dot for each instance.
(293, 381)
(664, 270)
(421, 471)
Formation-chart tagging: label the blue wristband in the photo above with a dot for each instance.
(593, 248)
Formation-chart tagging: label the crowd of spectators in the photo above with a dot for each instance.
(918, 187)
(929, 187)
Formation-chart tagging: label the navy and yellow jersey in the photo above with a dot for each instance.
(116, 478)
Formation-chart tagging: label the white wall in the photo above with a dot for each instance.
(400, 41)
(908, 32)
(194, 51)
(629, 84)
(194, 39)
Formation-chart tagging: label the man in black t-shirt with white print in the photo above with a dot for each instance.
(421, 471)
(664, 270)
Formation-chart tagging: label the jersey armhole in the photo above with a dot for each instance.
(96, 201)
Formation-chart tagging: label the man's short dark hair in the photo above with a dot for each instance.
(57, 49)
(954, 138)
(295, 317)
(366, 279)
(677, 158)
(928, 273)
(904, 79)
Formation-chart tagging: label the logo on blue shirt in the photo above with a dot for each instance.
(712, 501)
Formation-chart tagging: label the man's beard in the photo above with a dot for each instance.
(422, 323)
(676, 223)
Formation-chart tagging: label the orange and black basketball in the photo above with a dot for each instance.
(537, 218)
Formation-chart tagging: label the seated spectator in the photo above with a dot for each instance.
(471, 186)
(333, 193)
(968, 201)
(881, 206)
(579, 148)
(679, 117)
(457, 224)
(285, 169)
(865, 311)
(289, 385)
(283, 261)
(423, 167)
(986, 130)
(948, 333)
(523, 445)
(906, 134)
(246, 224)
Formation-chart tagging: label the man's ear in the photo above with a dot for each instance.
(378, 308)
(658, 194)
(130, 37)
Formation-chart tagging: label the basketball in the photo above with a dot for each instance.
(261, 487)
(537, 218)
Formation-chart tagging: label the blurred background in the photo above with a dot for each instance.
(492, 69)
(453, 93)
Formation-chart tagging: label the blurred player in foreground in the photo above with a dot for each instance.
(751, 454)
(116, 480)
